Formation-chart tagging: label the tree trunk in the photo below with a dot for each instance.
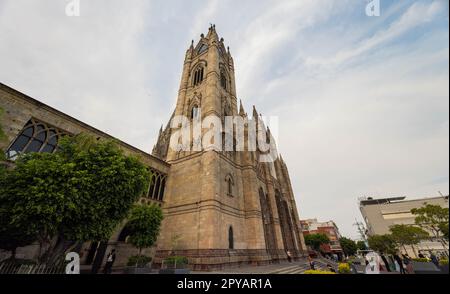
(139, 256)
(57, 252)
(13, 254)
(414, 250)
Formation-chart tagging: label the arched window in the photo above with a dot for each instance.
(157, 186)
(223, 80)
(202, 48)
(230, 238)
(195, 112)
(230, 184)
(124, 234)
(35, 137)
(198, 75)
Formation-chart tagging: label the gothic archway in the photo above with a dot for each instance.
(269, 234)
(230, 238)
(285, 222)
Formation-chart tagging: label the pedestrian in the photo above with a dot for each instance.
(434, 259)
(311, 263)
(289, 255)
(330, 268)
(110, 258)
(408, 264)
(400, 264)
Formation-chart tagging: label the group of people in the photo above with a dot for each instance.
(403, 263)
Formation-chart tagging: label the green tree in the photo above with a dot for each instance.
(407, 235)
(433, 219)
(11, 238)
(444, 230)
(2, 138)
(78, 194)
(348, 246)
(144, 224)
(383, 244)
(315, 240)
(361, 245)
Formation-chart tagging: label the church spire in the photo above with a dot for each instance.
(241, 109)
(212, 32)
(255, 113)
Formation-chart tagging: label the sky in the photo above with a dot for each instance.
(362, 101)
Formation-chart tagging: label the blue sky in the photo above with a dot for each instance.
(363, 101)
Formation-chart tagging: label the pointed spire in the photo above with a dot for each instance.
(255, 113)
(241, 108)
(212, 34)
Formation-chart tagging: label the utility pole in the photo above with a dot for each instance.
(361, 231)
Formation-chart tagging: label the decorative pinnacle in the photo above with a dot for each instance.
(241, 108)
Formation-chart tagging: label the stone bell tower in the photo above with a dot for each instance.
(220, 207)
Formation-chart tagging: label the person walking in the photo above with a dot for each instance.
(289, 255)
(408, 264)
(434, 259)
(330, 268)
(400, 264)
(311, 263)
(109, 262)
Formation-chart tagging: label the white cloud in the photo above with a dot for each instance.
(363, 102)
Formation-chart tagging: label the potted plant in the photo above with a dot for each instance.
(175, 265)
(144, 223)
(138, 264)
(424, 266)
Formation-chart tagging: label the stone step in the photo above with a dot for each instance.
(298, 268)
(283, 269)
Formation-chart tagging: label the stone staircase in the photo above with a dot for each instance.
(301, 267)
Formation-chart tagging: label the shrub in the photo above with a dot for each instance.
(176, 261)
(443, 262)
(138, 260)
(344, 268)
(421, 259)
(318, 272)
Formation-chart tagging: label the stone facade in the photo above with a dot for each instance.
(220, 208)
(19, 110)
(257, 221)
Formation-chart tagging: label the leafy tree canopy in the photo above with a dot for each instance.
(361, 245)
(407, 235)
(444, 230)
(432, 218)
(80, 193)
(348, 246)
(383, 244)
(144, 224)
(2, 137)
(315, 240)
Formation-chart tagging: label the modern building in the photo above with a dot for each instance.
(380, 214)
(330, 229)
(224, 208)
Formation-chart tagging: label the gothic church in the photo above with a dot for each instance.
(221, 208)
